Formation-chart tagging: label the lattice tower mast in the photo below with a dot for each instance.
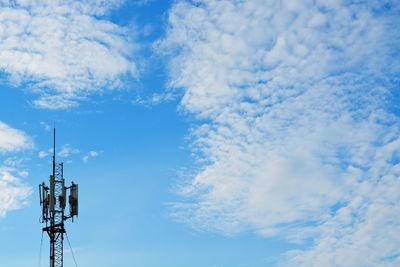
(53, 200)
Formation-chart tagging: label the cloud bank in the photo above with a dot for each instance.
(13, 192)
(64, 50)
(295, 138)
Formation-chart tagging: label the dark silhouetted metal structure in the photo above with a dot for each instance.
(53, 200)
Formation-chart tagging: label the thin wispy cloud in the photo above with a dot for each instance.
(43, 154)
(295, 138)
(67, 151)
(64, 50)
(45, 126)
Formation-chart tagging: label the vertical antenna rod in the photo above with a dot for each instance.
(54, 152)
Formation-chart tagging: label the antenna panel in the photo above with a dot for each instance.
(63, 196)
(73, 200)
(42, 195)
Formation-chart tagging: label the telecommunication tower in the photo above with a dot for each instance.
(53, 200)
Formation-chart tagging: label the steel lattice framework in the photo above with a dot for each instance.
(53, 200)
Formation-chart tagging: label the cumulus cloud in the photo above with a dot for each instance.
(12, 139)
(295, 136)
(64, 50)
(90, 155)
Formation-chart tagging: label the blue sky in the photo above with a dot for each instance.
(204, 133)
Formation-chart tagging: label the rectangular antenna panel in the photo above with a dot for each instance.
(63, 197)
(73, 200)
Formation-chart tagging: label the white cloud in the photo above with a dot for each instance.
(12, 139)
(43, 154)
(90, 155)
(297, 141)
(64, 50)
(13, 192)
(67, 151)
